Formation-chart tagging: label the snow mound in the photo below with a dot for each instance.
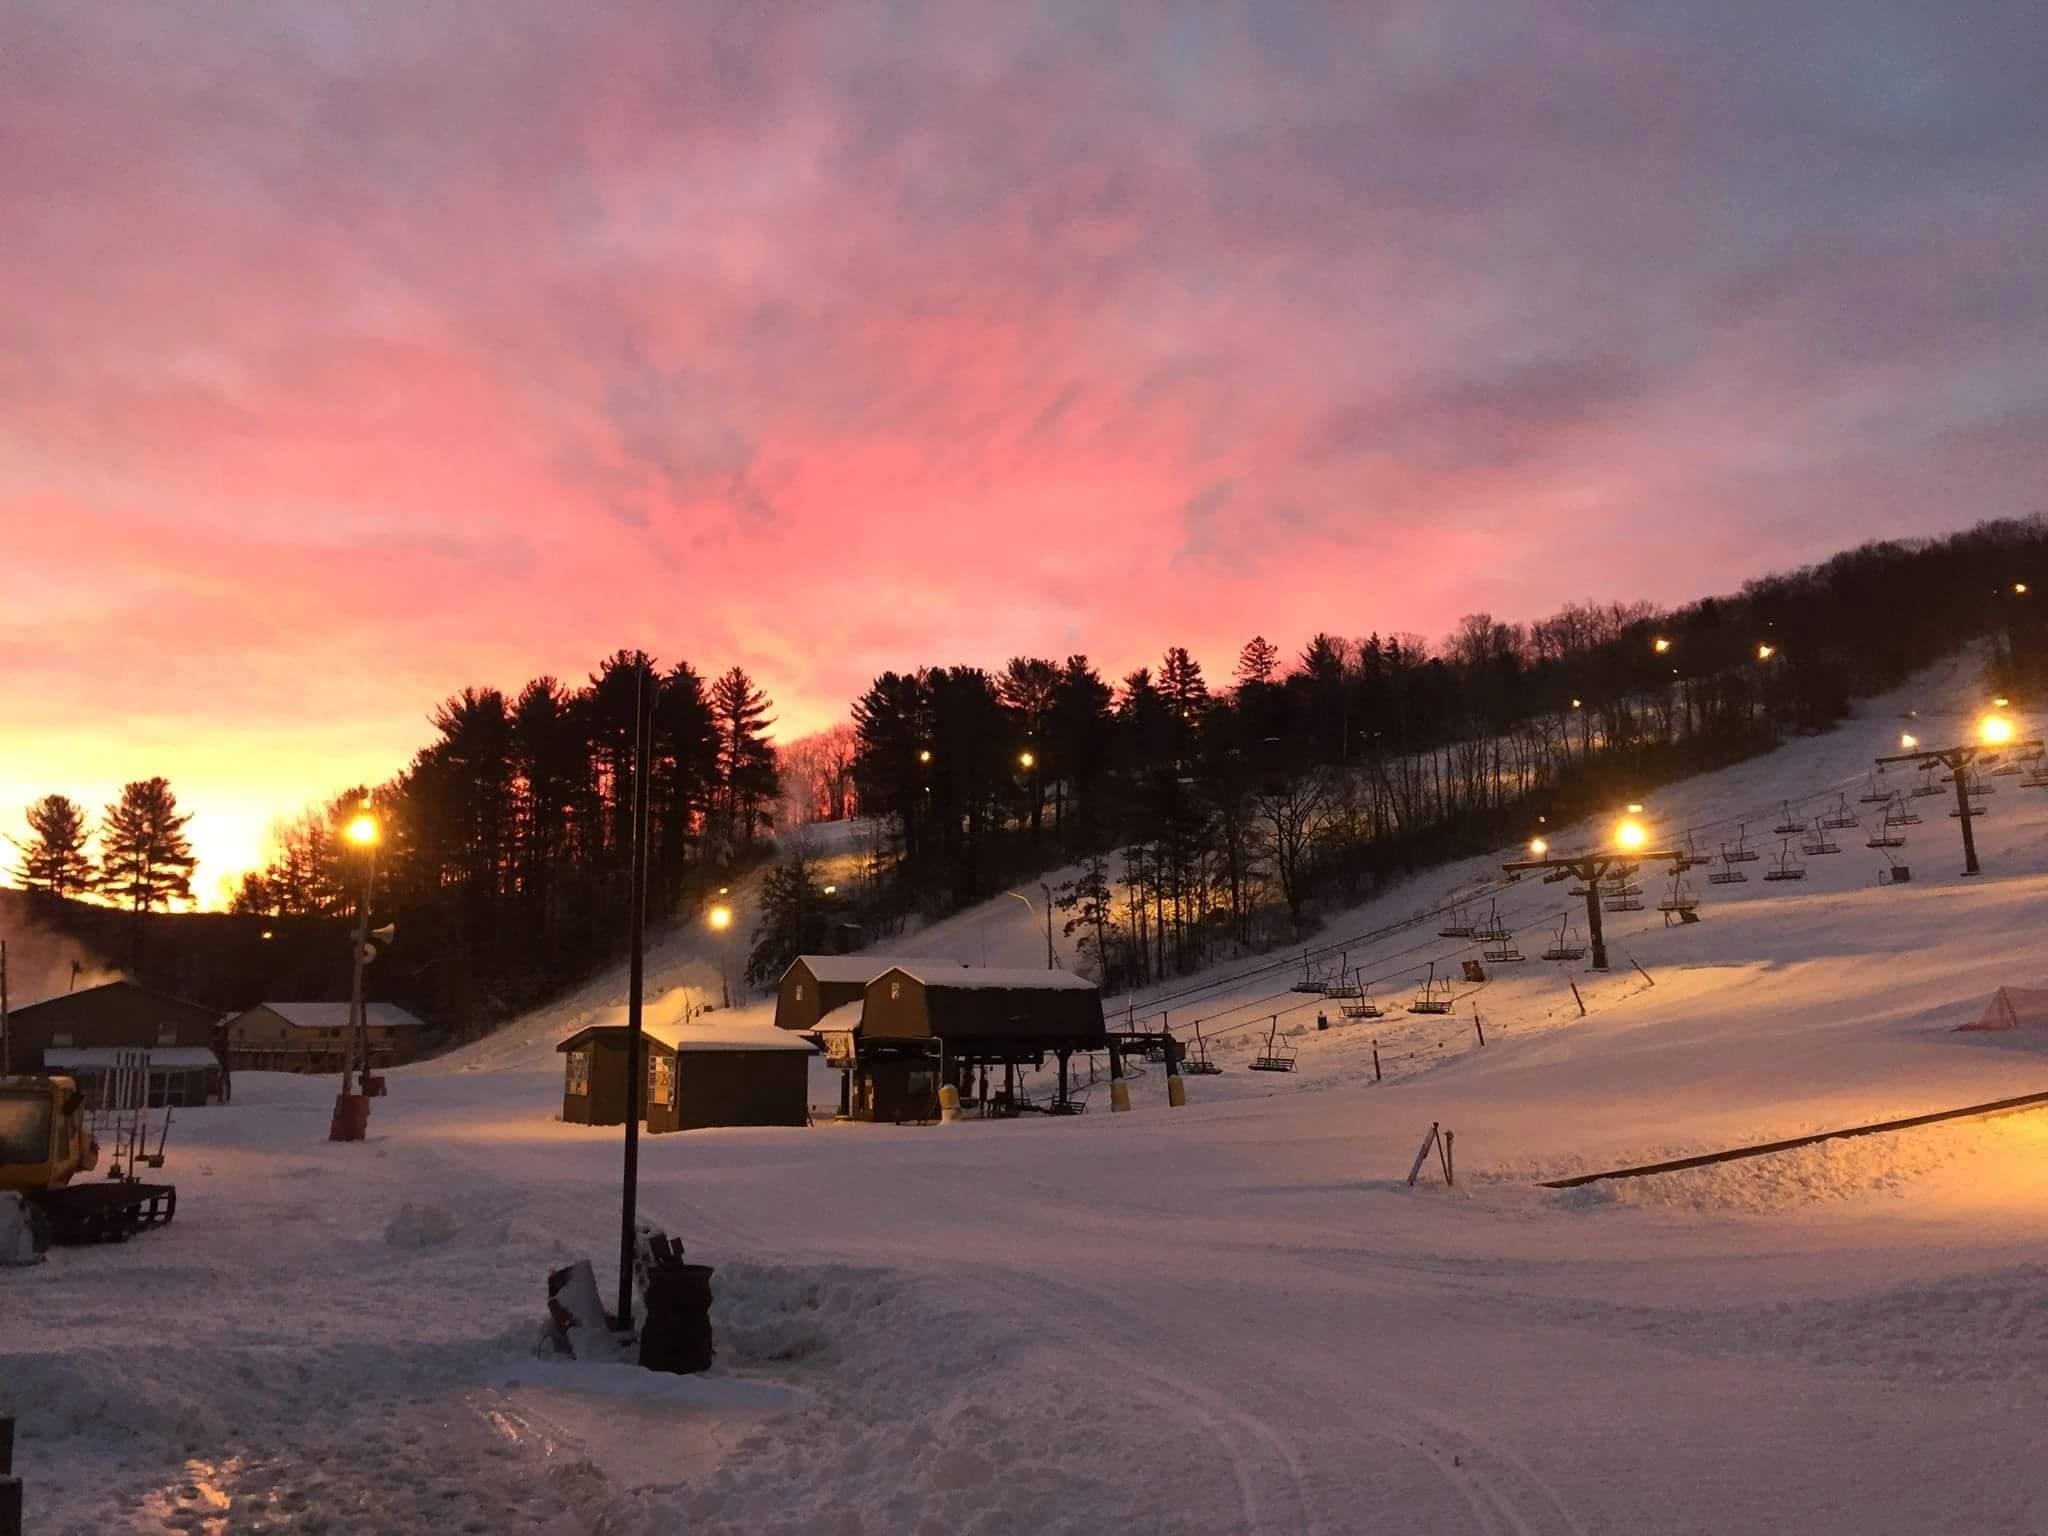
(769, 1312)
(419, 1225)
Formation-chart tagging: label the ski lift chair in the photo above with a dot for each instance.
(1362, 1006)
(1277, 1056)
(1743, 853)
(1727, 874)
(1680, 898)
(1428, 1000)
(1790, 824)
(1786, 865)
(1624, 902)
(1343, 986)
(1841, 818)
(1565, 948)
(1887, 836)
(1894, 873)
(1490, 931)
(1196, 1062)
(1459, 927)
(1503, 950)
(1556, 875)
(1899, 814)
(1926, 786)
(1818, 842)
(1872, 795)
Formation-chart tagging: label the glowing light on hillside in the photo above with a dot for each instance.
(1635, 808)
(924, 754)
(2020, 587)
(1660, 645)
(1995, 730)
(1576, 704)
(1025, 759)
(1630, 834)
(1766, 652)
(1538, 847)
(363, 830)
(1908, 743)
(720, 918)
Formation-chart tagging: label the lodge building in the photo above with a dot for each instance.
(899, 1028)
(80, 1035)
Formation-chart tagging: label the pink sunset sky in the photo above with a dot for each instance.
(353, 353)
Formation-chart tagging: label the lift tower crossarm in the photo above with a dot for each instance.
(1590, 867)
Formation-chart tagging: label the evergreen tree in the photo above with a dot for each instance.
(746, 762)
(145, 859)
(794, 912)
(54, 860)
(1257, 662)
(1187, 699)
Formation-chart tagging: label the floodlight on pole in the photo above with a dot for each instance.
(363, 830)
(1026, 760)
(1908, 742)
(1630, 834)
(924, 754)
(1660, 645)
(1996, 730)
(2019, 588)
(1765, 652)
(720, 918)
(1538, 847)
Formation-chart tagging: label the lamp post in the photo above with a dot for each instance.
(351, 1110)
(644, 691)
(720, 918)
(1046, 891)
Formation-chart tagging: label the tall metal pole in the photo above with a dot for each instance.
(1590, 873)
(1958, 765)
(358, 1031)
(1046, 891)
(6, 1033)
(636, 897)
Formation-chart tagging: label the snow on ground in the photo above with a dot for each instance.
(1231, 1317)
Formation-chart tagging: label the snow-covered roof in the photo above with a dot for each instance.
(701, 1034)
(862, 969)
(1007, 979)
(841, 1020)
(335, 1015)
(106, 1057)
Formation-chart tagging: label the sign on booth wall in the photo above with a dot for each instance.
(578, 1071)
(661, 1072)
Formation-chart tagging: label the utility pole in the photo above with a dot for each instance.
(6, 1033)
(1591, 868)
(636, 897)
(1957, 760)
(1046, 891)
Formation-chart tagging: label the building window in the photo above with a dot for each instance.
(578, 1070)
(799, 991)
(895, 990)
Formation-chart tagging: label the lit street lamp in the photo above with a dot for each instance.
(720, 918)
(1660, 645)
(1630, 835)
(351, 1110)
(1538, 847)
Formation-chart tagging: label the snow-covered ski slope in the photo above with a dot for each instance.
(1230, 1317)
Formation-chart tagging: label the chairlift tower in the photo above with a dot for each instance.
(1590, 869)
(1957, 761)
